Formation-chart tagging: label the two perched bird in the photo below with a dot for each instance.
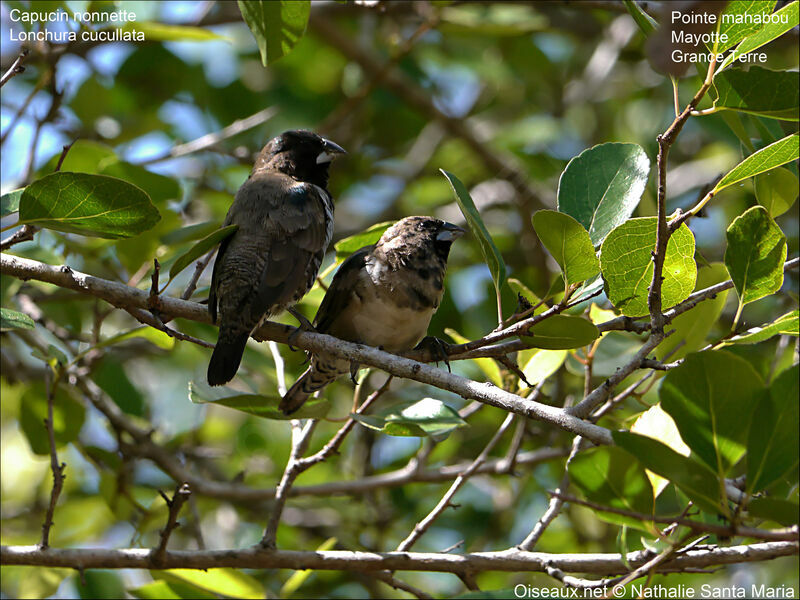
(383, 295)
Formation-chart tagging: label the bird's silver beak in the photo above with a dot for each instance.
(329, 152)
(449, 233)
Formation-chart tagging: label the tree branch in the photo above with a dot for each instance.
(340, 560)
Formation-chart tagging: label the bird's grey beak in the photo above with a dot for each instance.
(329, 152)
(449, 233)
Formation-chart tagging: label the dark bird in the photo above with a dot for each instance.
(383, 295)
(285, 217)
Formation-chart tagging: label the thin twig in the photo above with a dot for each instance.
(199, 267)
(181, 495)
(55, 467)
(16, 67)
(421, 527)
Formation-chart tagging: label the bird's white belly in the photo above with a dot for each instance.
(395, 329)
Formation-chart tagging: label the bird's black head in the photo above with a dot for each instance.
(301, 154)
(419, 235)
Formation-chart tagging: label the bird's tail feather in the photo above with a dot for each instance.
(226, 358)
(309, 382)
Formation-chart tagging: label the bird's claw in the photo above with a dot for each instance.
(354, 367)
(305, 325)
(438, 348)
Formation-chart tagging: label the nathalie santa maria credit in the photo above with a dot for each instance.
(657, 591)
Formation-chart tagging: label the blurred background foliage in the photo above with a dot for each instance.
(407, 88)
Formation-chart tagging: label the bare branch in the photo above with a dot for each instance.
(15, 69)
(181, 495)
(339, 560)
(55, 467)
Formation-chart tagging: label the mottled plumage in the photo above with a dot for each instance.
(382, 295)
(285, 217)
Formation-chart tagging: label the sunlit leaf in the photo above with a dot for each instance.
(277, 26)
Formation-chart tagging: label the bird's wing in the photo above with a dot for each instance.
(284, 229)
(212, 294)
(341, 290)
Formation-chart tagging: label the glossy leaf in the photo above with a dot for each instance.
(759, 91)
(737, 20)
(784, 325)
(93, 205)
(693, 326)
(569, 243)
(776, 190)
(12, 319)
(695, 479)
(276, 26)
(755, 254)
(561, 332)
(627, 265)
(787, 19)
(612, 477)
(163, 32)
(426, 417)
(655, 423)
(601, 187)
(769, 157)
(538, 365)
(645, 22)
(369, 236)
(200, 248)
(712, 396)
(175, 590)
(490, 252)
(257, 405)
(785, 512)
(487, 365)
(9, 203)
(772, 446)
(231, 583)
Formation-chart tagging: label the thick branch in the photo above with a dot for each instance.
(506, 560)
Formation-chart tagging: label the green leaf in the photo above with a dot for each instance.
(487, 365)
(694, 478)
(154, 336)
(84, 156)
(645, 22)
(769, 157)
(759, 91)
(520, 288)
(94, 205)
(110, 376)
(12, 319)
(569, 243)
(162, 32)
(369, 236)
(538, 365)
(257, 405)
(159, 187)
(299, 577)
(612, 477)
(68, 416)
(627, 265)
(97, 583)
(776, 190)
(711, 396)
(601, 187)
(738, 20)
(785, 512)
(755, 254)
(783, 325)
(693, 326)
(561, 332)
(787, 19)
(276, 26)
(490, 252)
(162, 590)
(199, 249)
(772, 447)
(655, 423)
(427, 417)
(9, 203)
(190, 232)
(230, 583)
